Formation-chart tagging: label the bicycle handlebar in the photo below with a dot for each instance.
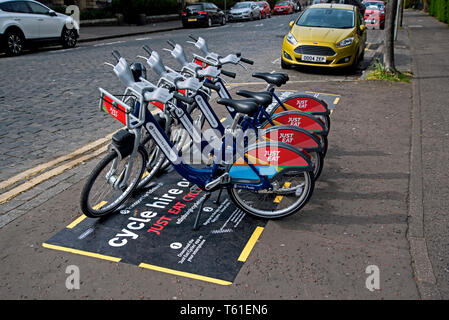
(228, 73)
(147, 49)
(183, 98)
(116, 55)
(171, 43)
(192, 37)
(248, 61)
(211, 86)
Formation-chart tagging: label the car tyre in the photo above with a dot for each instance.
(68, 38)
(14, 43)
(209, 22)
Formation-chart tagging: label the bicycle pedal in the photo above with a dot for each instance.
(224, 178)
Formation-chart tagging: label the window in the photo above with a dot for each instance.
(37, 8)
(16, 6)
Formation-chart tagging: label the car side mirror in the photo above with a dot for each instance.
(291, 24)
(51, 13)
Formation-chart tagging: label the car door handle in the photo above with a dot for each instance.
(40, 19)
(16, 19)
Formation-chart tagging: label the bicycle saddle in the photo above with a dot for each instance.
(263, 98)
(277, 79)
(248, 106)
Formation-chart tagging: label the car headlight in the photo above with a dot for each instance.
(291, 39)
(345, 42)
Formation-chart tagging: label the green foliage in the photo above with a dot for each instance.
(379, 72)
(439, 9)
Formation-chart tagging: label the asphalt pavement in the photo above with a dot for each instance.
(381, 199)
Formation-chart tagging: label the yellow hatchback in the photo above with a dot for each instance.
(325, 35)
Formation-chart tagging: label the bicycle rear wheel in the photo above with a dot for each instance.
(100, 195)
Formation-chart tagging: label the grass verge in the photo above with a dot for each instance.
(378, 72)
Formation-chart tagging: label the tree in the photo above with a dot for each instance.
(389, 36)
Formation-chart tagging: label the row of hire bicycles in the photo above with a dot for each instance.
(267, 152)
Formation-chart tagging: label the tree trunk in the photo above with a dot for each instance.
(426, 6)
(389, 35)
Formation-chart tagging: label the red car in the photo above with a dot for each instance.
(283, 7)
(375, 14)
(265, 9)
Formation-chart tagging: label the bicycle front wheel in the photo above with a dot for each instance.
(105, 189)
(297, 188)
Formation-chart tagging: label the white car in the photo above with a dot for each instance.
(27, 21)
(247, 10)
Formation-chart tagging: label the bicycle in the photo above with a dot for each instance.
(269, 180)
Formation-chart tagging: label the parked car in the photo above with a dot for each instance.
(325, 35)
(357, 3)
(296, 5)
(204, 14)
(375, 14)
(264, 8)
(248, 10)
(283, 7)
(26, 21)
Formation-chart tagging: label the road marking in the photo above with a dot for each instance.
(336, 100)
(250, 244)
(84, 253)
(33, 171)
(4, 197)
(276, 61)
(184, 274)
(143, 39)
(259, 25)
(108, 43)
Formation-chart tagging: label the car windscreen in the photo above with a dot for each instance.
(327, 18)
(241, 5)
(373, 7)
(285, 3)
(194, 7)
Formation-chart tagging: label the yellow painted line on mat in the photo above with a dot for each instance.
(250, 244)
(279, 198)
(4, 197)
(78, 220)
(337, 100)
(184, 274)
(81, 252)
(327, 94)
(35, 170)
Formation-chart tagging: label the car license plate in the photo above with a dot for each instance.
(309, 58)
(191, 20)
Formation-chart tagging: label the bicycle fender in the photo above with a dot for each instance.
(302, 102)
(267, 159)
(294, 136)
(298, 119)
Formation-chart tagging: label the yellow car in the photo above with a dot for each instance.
(325, 35)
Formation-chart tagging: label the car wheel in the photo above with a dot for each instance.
(209, 22)
(14, 43)
(68, 38)
(285, 65)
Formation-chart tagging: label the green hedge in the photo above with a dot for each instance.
(439, 9)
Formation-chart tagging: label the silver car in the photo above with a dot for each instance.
(247, 10)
